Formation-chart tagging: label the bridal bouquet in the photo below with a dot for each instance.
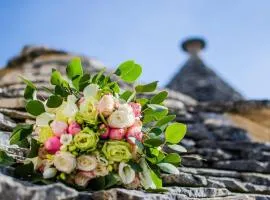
(89, 133)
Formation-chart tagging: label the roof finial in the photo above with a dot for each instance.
(193, 45)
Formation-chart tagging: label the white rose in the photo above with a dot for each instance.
(106, 105)
(86, 163)
(122, 118)
(44, 119)
(101, 170)
(126, 173)
(90, 91)
(49, 173)
(64, 162)
(66, 139)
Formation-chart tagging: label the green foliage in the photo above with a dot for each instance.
(75, 71)
(54, 101)
(177, 148)
(150, 87)
(159, 98)
(135, 166)
(129, 71)
(173, 158)
(157, 180)
(84, 81)
(24, 171)
(168, 168)
(165, 120)
(30, 90)
(153, 142)
(127, 95)
(5, 160)
(175, 132)
(35, 107)
(34, 148)
(20, 134)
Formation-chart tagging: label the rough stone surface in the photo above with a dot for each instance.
(222, 161)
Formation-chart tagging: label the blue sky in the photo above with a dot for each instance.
(238, 34)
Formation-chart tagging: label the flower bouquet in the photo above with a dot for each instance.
(89, 133)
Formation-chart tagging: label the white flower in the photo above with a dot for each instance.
(106, 105)
(44, 119)
(64, 162)
(86, 163)
(101, 170)
(70, 108)
(49, 173)
(145, 176)
(90, 91)
(66, 139)
(122, 118)
(126, 173)
(37, 162)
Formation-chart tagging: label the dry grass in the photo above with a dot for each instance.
(256, 121)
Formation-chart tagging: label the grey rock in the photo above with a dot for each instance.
(6, 123)
(15, 114)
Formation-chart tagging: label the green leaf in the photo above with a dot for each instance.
(110, 180)
(54, 101)
(28, 82)
(59, 90)
(157, 108)
(173, 158)
(150, 87)
(155, 131)
(35, 107)
(29, 93)
(34, 148)
(159, 98)
(19, 135)
(157, 180)
(25, 170)
(153, 142)
(127, 95)
(129, 71)
(98, 183)
(175, 132)
(142, 101)
(151, 115)
(84, 81)
(177, 148)
(168, 168)
(75, 71)
(165, 120)
(114, 87)
(135, 166)
(154, 155)
(56, 77)
(6, 160)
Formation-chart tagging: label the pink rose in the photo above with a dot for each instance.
(74, 128)
(135, 131)
(117, 133)
(136, 107)
(59, 127)
(104, 131)
(106, 105)
(82, 178)
(52, 145)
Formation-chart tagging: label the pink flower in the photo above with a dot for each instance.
(135, 131)
(82, 178)
(52, 145)
(82, 99)
(59, 127)
(104, 131)
(74, 128)
(117, 133)
(106, 105)
(136, 107)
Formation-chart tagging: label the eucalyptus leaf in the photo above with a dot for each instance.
(177, 148)
(35, 107)
(153, 142)
(168, 168)
(54, 101)
(129, 71)
(159, 98)
(6, 160)
(173, 158)
(150, 87)
(175, 132)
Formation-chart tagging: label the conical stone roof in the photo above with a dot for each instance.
(201, 82)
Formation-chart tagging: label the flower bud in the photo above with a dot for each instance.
(106, 105)
(136, 107)
(104, 131)
(49, 173)
(74, 128)
(52, 145)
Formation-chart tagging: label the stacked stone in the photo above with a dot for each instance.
(222, 161)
